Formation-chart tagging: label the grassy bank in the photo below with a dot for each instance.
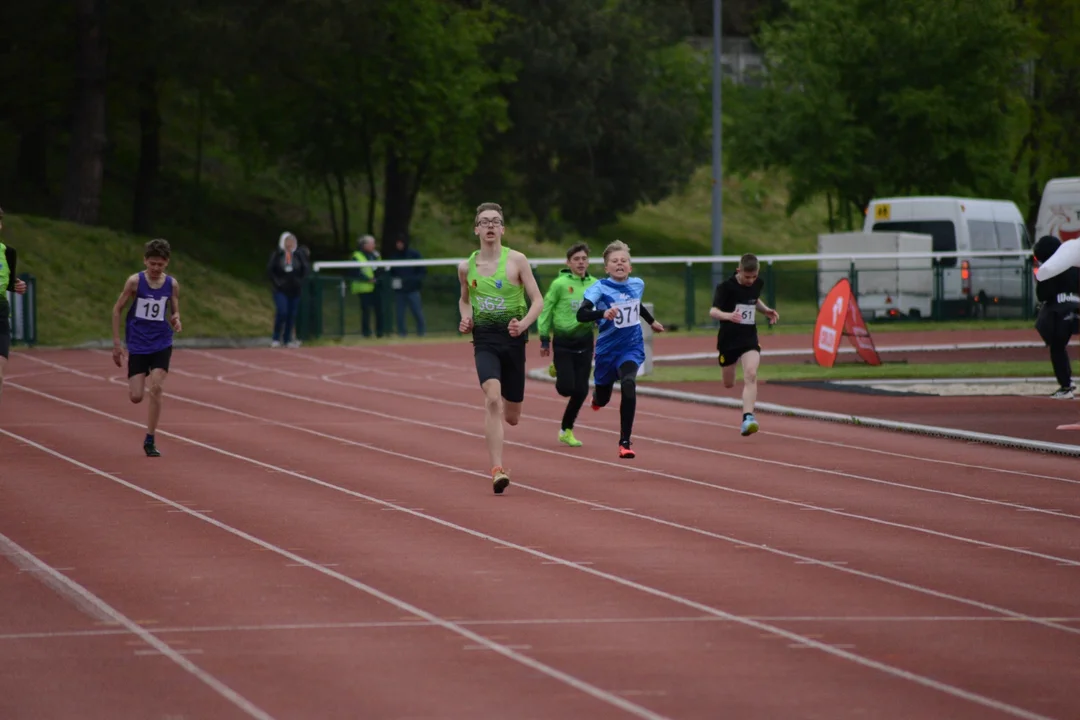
(82, 270)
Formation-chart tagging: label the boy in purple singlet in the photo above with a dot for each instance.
(151, 320)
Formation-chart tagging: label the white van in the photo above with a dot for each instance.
(970, 286)
(1059, 210)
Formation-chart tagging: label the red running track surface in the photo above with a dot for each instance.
(320, 540)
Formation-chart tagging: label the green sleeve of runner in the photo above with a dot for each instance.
(545, 323)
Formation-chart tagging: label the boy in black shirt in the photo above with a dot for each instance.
(1057, 322)
(735, 304)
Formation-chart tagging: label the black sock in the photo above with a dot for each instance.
(627, 407)
(571, 412)
(149, 440)
(746, 415)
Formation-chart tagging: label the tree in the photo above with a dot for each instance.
(608, 109)
(876, 97)
(1051, 144)
(86, 154)
(393, 91)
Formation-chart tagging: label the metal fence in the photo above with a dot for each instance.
(888, 287)
(23, 308)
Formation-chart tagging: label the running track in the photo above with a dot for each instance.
(320, 540)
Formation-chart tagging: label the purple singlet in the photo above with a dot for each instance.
(148, 328)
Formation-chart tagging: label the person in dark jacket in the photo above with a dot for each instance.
(407, 282)
(288, 268)
(1059, 314)
(8, 283)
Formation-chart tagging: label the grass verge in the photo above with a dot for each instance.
(853, 371)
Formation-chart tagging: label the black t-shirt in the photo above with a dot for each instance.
(730, 294)
(1061, 289)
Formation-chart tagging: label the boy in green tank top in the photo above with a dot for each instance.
(573, 340)
(8, 283)
(494, 282)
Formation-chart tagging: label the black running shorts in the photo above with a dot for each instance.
(5, 342)
(729, 356)
(143, 364)
(505, 363)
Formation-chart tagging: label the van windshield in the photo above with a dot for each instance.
(942, 231)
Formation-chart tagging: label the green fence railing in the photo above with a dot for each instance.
(681, 289)
(23, 312)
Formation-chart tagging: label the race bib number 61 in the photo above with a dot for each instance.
(745, 314)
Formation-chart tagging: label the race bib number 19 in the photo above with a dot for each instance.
(745, 314)
(150, 309)
(629, 314)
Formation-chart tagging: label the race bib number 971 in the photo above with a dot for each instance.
(150, 309)
(629, 314)
(745, 314)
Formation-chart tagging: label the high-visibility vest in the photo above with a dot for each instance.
(367, 285)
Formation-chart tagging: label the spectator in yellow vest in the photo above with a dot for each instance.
(364, 286)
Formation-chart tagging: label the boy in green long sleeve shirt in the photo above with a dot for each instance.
(573, 340)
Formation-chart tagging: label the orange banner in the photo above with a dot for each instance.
(860, 336)
(840, 315)
(830, 323)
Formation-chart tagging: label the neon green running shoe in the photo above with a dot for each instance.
(551, 370)
(566, 437)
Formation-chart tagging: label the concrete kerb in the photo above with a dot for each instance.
(880, 423)
(208, 343)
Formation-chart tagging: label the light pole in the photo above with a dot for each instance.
(717, 170)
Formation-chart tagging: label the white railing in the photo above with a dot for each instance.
(689, 259)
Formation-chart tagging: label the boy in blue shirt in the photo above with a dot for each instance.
(615, 301)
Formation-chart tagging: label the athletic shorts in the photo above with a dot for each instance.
(5, 342)
(505, 363)
(144, 363)
(729, 356)
(608, 364)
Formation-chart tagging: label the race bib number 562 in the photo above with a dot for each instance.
(490, 303)
(629, 314)
(150, 309)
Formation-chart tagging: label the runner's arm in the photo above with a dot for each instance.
(543, 324)
(718, 299)
(12, 259)
(536, 298)
(464, 306)
(587, 313)
(126, 294)
(175, 319)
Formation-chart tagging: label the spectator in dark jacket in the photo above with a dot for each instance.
(1058, 321)
(288, 268)
(407, 282)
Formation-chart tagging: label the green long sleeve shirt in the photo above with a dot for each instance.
(559, 317)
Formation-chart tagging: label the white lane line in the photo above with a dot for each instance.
(511, 654)
(738, 543)
(476, 638)
(671, 476)
(81, 597)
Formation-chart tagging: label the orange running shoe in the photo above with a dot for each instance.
(625, 453)
(499, 479)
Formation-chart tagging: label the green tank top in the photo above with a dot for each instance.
(495, 301)
(5, 271)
